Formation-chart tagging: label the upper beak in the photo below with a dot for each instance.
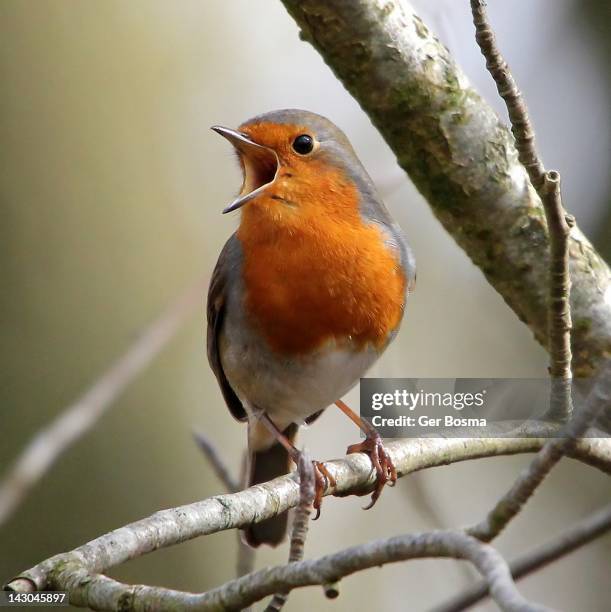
(260, 165)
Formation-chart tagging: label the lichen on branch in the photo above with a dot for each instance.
(461, 157)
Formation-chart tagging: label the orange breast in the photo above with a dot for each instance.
(317, 272)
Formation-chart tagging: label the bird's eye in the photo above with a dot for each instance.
(303, 144)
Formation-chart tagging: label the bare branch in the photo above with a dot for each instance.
(461, 158)
(77, 419)
(547, 185)
(577, 536)
(559, 224)
(353, 474)
(218, 464)
(465, 164)
(512, 502)
(246, 555)
(508, 90)
(103, 593)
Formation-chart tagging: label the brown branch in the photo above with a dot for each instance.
(577, 536)
(547, 185)
(77, 419)
(559, 224)
(508, 90)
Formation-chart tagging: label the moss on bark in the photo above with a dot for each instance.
(461, 158)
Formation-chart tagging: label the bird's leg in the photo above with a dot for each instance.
(323, 478)
(372, 445)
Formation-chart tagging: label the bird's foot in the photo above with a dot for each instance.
(322, 479)
(385, 469)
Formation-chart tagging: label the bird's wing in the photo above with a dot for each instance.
(226, 265)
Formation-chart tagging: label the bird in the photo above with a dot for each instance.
(306, 294)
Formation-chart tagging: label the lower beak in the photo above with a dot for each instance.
(260, 165)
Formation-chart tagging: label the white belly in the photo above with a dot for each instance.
(290, 390)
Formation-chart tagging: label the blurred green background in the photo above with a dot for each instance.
(111, 187)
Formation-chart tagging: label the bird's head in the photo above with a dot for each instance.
(296, 164)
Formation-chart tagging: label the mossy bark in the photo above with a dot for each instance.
(462, 159)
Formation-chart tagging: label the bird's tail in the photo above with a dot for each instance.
(263, 466)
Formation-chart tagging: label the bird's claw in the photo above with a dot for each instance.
(382, 463)
(322, 479)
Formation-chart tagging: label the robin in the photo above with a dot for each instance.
(306, 294)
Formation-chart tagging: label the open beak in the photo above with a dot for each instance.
(260, 165)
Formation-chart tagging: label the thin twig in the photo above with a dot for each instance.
(508, 90)
(301, 521)
(77, 419)
(525, 485)
(577, 536)
(547, 185)
(220, 467)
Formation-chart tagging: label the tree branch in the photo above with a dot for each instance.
(461, 158)
(353, 474)
(246, 555)
(547, 185)
(217, 463)
(577, 536)
(466, 164)
(508, 90)
(77, 419)
(103, 593)
(526, 484)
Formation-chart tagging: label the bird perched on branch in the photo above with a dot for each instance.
(306, 294)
